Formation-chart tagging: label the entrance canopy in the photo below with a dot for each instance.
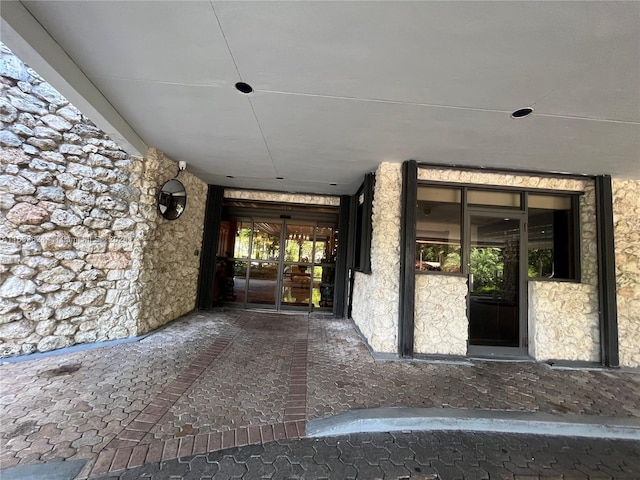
(340, 87)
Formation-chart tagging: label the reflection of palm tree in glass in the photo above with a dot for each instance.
(486, 265)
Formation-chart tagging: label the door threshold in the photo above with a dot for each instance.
(279, 312)
(502, 358)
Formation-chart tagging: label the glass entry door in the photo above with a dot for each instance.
(264, 263)
(280, 264)
(297, 269)
(497, 320)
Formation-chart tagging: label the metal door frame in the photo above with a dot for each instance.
(246, 304)
(278, 306)
(523, 317)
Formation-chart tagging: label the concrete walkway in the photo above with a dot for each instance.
(216, 380)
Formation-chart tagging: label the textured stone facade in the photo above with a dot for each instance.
(563, 321)
(300, 198)
(557, 310)
(171, 252)
(376, 295)
(79, 226)
(441, 324)
(626, 217)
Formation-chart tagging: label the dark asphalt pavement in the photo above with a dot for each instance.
(417, 455)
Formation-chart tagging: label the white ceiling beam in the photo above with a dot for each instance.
(23, 34)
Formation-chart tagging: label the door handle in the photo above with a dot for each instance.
(471, 283)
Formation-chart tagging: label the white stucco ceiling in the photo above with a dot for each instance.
(343, 86)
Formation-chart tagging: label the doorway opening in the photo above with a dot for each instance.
(497, 320)
(276, 263)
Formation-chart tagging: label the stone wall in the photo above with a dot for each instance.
(67, 228)
(626, 217)
(171, 252)
(282, 197)
(441, 324)
(563, 321)
(553, 313)
(376, 295)
(79, 226)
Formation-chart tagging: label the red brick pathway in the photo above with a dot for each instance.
(127, 451)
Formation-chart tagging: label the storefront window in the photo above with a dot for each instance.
(552, 251)
(552, 230)
(438, 229)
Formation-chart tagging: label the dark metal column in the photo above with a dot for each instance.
(344, 239)
(212, 219)
(364, 262)
(407, 258)
(606, 273)
(351, 251)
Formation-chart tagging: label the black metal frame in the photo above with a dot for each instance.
(524, 206)
(342, 260)
(407, 302)
(284, 220)
(523, 301)
(351, 250)
(212, 219)
(363, 244)
(609, 348)
(407, 299)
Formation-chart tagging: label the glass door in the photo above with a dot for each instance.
(324, 266)
(297, 271)
(279, 264)
(497, 320)
(264, 264)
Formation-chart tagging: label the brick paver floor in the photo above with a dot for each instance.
(214, 380)
(417, 455)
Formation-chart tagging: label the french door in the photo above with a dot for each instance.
(496, 263)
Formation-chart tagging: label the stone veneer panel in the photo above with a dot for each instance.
(563, 321)
(441, 323)
(79, 226)
(171, 252)
(66, 227)
(376, 295)
(558, 328)
(626, 217)
(299, 198)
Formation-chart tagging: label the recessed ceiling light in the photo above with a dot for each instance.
(279, 178)
(244, 87)
(523, 112)
(230, 176)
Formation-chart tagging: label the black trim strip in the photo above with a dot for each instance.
(212, 218)
(364, 264)
(606, 272)
(406, 318)
(340, 285)
(351, 251)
